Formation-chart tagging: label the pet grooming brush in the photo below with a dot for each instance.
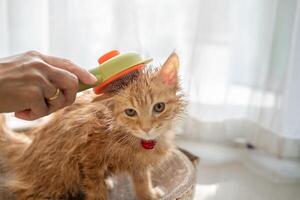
(114, 71)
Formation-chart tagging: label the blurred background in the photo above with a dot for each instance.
(240, 67)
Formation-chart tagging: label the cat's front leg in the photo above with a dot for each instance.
(95, 190)
(94, 184)
(143, 186)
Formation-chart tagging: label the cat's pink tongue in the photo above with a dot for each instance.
(148, 144)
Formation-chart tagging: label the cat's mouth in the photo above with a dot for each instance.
(148, 144)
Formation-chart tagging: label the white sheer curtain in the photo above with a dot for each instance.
(240, 59)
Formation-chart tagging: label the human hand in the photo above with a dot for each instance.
(27, 80)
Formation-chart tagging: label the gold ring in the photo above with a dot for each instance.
(55, 96)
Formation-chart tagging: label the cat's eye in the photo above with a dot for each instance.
(130, 112)
(159, 107)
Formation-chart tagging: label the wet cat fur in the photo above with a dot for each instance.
(83, 144)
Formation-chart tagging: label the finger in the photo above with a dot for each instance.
(23, 114)
(66, 82)
(49, 79)
(40, 80)
(38, 109)
(82, 74)
(49, 91)
(27, 115)
(56, 104)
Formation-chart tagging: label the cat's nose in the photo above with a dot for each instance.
(146, 129)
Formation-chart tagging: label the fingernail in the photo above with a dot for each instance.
(92, 79)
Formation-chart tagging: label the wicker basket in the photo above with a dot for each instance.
(176, 176)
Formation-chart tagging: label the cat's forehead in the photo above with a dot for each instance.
(148, 83)
(147, 89)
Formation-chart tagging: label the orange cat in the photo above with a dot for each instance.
(83, 144)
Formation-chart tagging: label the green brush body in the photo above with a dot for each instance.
(114, 68)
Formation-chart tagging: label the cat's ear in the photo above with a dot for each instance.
(169, 70)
